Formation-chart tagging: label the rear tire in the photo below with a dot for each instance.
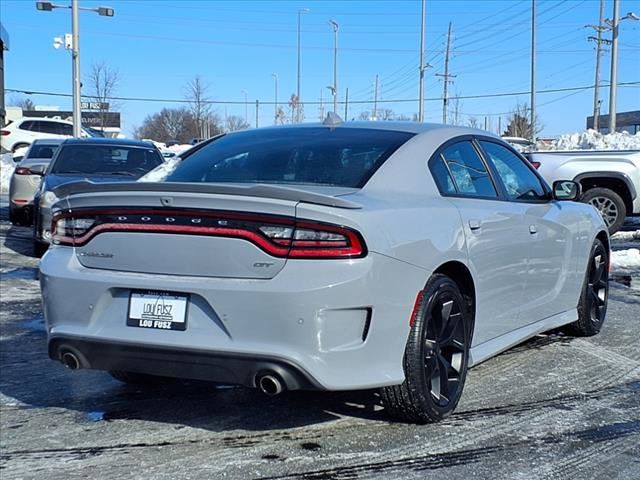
(17, 146)
(592, 307)
(609, 204)
(436, 356)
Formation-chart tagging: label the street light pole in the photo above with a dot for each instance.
(334, 90)
(75, 51)
(75, 58)
(275, 107)
(300, 12)
(533, 71)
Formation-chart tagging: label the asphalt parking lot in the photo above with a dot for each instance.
(555, 407)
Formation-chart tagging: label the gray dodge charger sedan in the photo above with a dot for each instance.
(326, 256)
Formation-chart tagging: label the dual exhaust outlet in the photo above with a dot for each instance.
(268, 383)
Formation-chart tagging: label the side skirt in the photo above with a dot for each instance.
(490, 348)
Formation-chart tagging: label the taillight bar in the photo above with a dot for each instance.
(22, 171)
(277, 235)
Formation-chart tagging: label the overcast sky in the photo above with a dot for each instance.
(157, 46)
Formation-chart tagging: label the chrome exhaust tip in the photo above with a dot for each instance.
(270, 385)
(70, 360)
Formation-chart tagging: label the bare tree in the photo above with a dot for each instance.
(473, 122)
(23, 103)
(520, 125)
(197, 94)
(296, 108)
(234, 123)
(169, 124)
(103, 83)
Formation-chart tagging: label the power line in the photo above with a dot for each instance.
(402, 100)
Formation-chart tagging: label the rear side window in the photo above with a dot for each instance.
(343, 157)
(468, 171)
(42, 151)
(106, 160)
(28, 125)
(48, 127)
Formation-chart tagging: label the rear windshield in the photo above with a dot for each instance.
(106, 160)
(344, 157)
(42, 151)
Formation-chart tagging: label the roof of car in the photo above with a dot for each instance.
(399, 126)
(120, 142)
(48, 141)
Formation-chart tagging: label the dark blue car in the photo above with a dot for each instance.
(95, 159)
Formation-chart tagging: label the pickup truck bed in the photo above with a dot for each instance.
(610, 179)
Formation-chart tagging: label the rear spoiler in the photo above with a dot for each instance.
(258, 190)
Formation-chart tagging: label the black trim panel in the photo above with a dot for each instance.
(616, 175)
(240, 369)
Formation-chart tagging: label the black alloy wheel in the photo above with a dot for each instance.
(592, 307)
(436, 356)
(444, 348)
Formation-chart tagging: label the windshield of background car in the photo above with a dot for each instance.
(42, 151)
(105, 160)
(341, 157)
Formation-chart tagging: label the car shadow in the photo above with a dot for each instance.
(19, 240)
(34, 381)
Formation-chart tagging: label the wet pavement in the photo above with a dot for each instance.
(555, 407)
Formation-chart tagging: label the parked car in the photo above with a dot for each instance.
(324, 256)
(95, 159)
(26, 179)
(610, 180)
(22, 132)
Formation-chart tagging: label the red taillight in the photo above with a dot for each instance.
(22, 171)
(535, 164)
(4, 133)
(279, 236)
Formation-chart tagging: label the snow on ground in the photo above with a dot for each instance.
(7, 166)
(626, 259)
(161, 172)
(592, 140)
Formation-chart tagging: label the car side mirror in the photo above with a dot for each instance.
(566, 190)
(37, 170)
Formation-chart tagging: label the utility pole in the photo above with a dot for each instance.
(600, 28)
(334, 89)
(533, 71)
(257, 110)
(446, 76)
(246, 107)
(300, 12)
(275, 103)
(614, 68)
(321, 108)
(422, 65)
(346, 104)
(375, 100)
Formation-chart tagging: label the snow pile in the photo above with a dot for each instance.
(7, 166)
(629, 258)
(592, 140)
(178, 149)
(161, 172)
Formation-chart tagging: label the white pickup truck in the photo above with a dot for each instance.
(610, 179)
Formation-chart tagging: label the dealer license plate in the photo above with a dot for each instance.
(158, 310)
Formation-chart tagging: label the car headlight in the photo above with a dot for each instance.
(47, 199)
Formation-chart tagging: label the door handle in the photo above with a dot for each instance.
(533, 229)
(474, 224)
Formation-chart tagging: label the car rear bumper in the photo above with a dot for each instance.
(332, 325)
